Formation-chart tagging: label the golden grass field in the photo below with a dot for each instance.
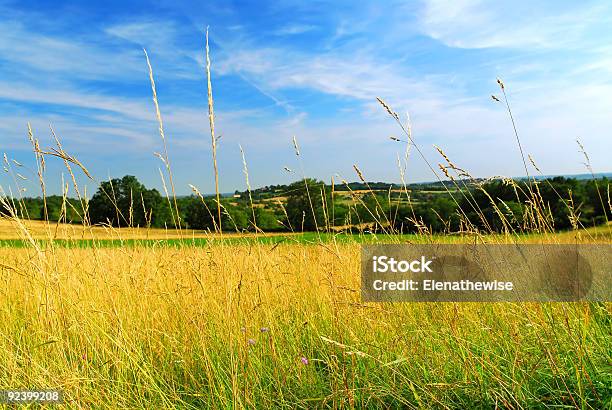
(12, 229)
(254, 325)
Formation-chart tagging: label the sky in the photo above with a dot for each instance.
(312, 70)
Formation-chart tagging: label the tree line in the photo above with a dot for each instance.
(310, 205)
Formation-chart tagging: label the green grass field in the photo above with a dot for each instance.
(598, 234)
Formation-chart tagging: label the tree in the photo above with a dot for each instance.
(305, 205)
(198, 214)
(266, 220)
(340, 214)
(234, 218)
(202, 215)
(127, 202)
(372, 208)
(438, 214)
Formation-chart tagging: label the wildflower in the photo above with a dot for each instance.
(304, 360)
(243, 329)
(264, 329)
(251, 342)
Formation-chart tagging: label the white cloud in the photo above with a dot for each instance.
(146, 31)
(294, 29)
(357, 75)
(508, 24)
(27, 49)
(127, 107)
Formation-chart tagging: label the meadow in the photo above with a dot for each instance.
(133, 317)
(241, 322)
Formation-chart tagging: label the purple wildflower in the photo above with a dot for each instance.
(304, 360)
(251, 342)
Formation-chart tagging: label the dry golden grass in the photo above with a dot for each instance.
(42, 230)
(255, 325)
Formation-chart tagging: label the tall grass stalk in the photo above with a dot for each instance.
(213, 137)
(166, 159)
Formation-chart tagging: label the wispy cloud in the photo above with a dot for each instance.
(294, 29)
(135, 109)
(34, 53)
(357, 75)
(511, 24)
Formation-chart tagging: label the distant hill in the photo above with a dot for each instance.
(270, 191)
(575, 176)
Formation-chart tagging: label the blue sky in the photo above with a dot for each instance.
(310, 69)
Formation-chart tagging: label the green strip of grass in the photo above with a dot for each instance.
(304, 238)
